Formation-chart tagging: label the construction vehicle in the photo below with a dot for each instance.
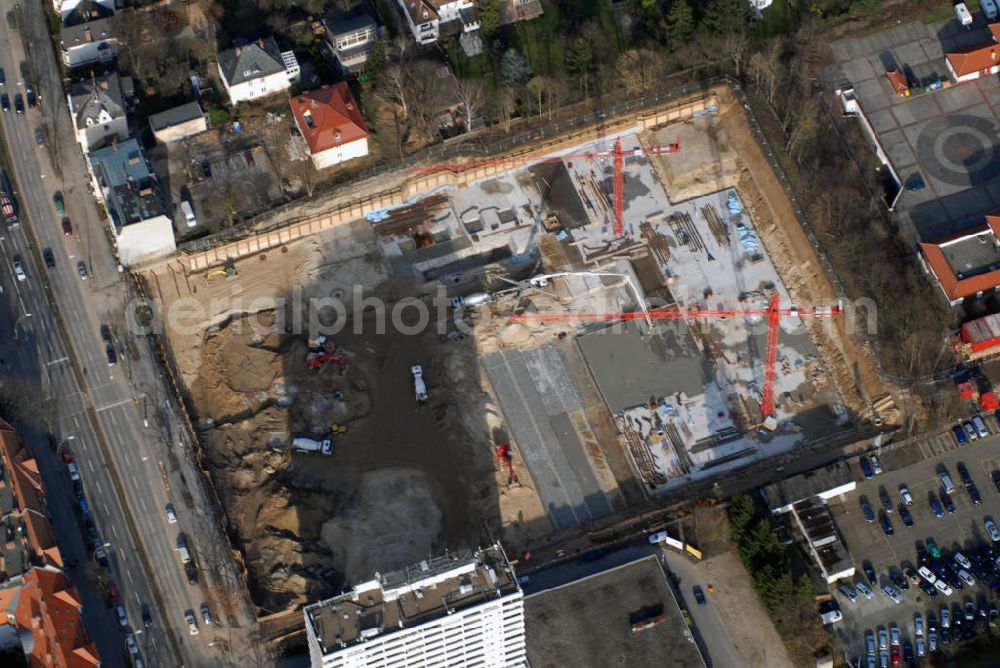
(616, 154)
(309, 445)
(419, 386)
(504, 455)
(320, 360)
(773, 312)
(228, 272)
(338, 428)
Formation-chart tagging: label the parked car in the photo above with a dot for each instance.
(19, 269)
(883, 638)
(970, 611)
(904, 515)
(699, 596)
(974, 495)
(883, 495)
(942, 473)
(74, 472)
(18, 103)
(866, 467)
(870, 643)
(927, 574)
(864, 589)
(171, 515)
(67, 227)
(122, 617)
(980, 426)
(29, 92)
(943, 587)
(949, 505)
(959, 434)
(970, 431)
(962, 560)
(848, 592)
(886, 524)
(130, 644)
(966, 577)
(898, 580)
(206, 614)
(928, 588)
(192, 624)
(963, 473)
(918, 624)
(894, 637)
(39, 136)
(904, 493)
(3, 77)
(991, 529)
(57, 199)
(866, 509)
(892, 593)
(869, 572)
(5, 102)
(206, 170)
(933, 548)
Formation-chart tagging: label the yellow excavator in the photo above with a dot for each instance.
(228, 272)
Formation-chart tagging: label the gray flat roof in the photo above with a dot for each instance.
(175, 116)
(589, 622)
(807, 485)
(972, 256)
(631, 368)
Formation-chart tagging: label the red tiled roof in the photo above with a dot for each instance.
(975, 59)
(995, 30)
(954, 287)
(49, 606)
(898, 81)
(22, 469)
(328, 117)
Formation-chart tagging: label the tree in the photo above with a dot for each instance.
(471, 94)
(579, 62)
(724, 17)
(505, 103)
(489, 19)
(514, 69)
(537, 87)
(637, 70)
(377, 59)
(680, 22)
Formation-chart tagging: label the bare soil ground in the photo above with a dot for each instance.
(720, 151)
(404, 481)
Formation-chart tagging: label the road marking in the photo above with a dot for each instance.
(139, 601)
(98, 483)
(114, 530)
(120, 402)
(134, 483)
(90, 462)
(129, 574)
(61, 359)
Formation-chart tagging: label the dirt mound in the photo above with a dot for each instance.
(392, 517)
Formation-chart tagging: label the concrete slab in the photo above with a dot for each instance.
(859, 71)
(883, 120)
(910, 54)
(965, 98)
(967, 203)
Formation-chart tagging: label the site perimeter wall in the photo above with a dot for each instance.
(399, 187)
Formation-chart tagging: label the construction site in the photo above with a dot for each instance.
(630, 311)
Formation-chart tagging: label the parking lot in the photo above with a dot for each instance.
(963, 529)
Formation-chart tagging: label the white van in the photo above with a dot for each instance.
(185, 555)
(963, 15)
(989, 9)
(188, 213)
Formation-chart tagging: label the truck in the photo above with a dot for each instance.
(309, 445)
(419, 386)
(8, 204)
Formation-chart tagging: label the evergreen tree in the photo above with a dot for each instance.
(680, 21)
(725, 17)
(514, 69)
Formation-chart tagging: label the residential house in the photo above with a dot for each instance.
(256, 70)
(40, 610)
(89, 43)
(66, 7)
(979, 61)
(966, 264)
(86, 10)
(351, 40)
(178, 123)
(137, 212)
(512, 11)
(427, 20)
(97, 107)
(331, 124)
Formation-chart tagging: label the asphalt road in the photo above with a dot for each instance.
(144, 465)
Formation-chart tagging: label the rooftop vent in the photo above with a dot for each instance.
(308, 118)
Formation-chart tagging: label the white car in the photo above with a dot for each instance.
(943, 587)
(966, 577)
(133, 649)
(980, 426)
(206, 614)
(945, 618)
(192, 624)
(904, 493)
(122, 617)
(962, 561)
(876, 464)
(927, 574)
(171, 515)
(883, 639)
(19, 270)
(419, 386)
(864, 589)
(74, 472)
(991, 529)
(892, 593)
(918, 624)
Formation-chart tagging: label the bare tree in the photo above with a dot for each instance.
(471, 95)
(538, 86)
(424, 90)
(505, 102)
(393, 80)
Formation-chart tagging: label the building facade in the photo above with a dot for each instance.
(89, 43)
(457, 610)
(178, 123)
(331, 125)
(425, 18)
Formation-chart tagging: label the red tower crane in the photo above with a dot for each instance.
(773, 312)
(617, 160)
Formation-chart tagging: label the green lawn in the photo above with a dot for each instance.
(539, 43)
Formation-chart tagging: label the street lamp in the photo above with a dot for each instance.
(18, 322)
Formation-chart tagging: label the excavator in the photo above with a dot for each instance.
(228, 272)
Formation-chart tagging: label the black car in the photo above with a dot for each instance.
(927, 588)
(905, 515)
(699, 595)
(946, 501)
(49, 257)
(963, 473)
(207, 171)
(192, 573)
(883, 495)
(106, 334)
(19, 103)
(996, 479)
(39, 136)
(5, 105)
(907, 651)
(3, 77)
(886, 524)
(147, 618)
(78, 489)
(29, 92)
(112, 355)
(974, 495)
(943, 635)
(953, 580)
(898, 580)
(869, 572)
